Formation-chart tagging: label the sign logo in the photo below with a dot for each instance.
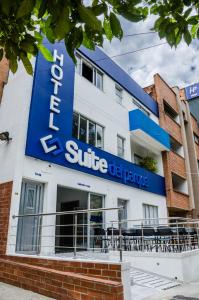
(50, 137)
(192, 91)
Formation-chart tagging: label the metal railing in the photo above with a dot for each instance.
(93, 231)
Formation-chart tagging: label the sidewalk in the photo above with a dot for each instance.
(10, 292)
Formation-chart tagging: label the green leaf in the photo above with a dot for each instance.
(45, 52)
(89, 18)
(62, 25)
(13, 65)
(198, 33)
(107, 29)
(73, 41)
(187, 37)
(87, 42)
(42, 8)
(99, 9)
(115, 26)
(38, 37)
(27, 64)
(25, 8)
(187, 12)
(6, 6)
(193, 20)
(1, 54)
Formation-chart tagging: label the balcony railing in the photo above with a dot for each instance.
(148, 235)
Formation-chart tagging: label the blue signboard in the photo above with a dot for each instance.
(49, 136)
(192, 91)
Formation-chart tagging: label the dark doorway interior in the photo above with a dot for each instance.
(70, 200)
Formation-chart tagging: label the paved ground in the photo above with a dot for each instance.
(184, 292)
(9, 292)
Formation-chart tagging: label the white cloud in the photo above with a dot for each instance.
(177, 66)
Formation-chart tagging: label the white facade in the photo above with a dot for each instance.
(100, 106)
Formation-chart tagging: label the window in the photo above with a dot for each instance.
(150, 212)
(137, 159)
(196, 138)
(88, 131)
(170, 112)
(118, 93)
(90, 72)
(176, 147)
(122, 214)
(87, 71)
(120, 146)
(145, 111)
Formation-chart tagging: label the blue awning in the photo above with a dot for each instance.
(148, 131)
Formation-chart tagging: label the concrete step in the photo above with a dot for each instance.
(155, 281)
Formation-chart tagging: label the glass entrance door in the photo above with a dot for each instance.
(29, 228)
(122, 214)
(95, 219)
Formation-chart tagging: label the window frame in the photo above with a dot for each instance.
(95, 69)
(87, 130)
(120, 89)
(141, 107)
(123, 143)
(150, 221)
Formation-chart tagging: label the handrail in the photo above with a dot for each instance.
(70, 212)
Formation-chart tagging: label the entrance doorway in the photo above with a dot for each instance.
(29, 228)
(71, 200)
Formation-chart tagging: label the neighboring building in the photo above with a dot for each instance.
(181, 163)
(191, 94)
(78, 135)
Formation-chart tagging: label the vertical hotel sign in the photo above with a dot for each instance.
(49, 136)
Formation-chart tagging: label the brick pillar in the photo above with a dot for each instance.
(5, 200)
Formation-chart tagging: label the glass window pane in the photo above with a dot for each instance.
(118, 92)
(75, 125)
(91, 133)
(99, 80)
(82, 131)
(120, 146)
(99, 138)
(87, 71)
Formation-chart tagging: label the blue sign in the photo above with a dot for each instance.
(192, 91)
(49, 136)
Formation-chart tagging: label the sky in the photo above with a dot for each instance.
(178, 67)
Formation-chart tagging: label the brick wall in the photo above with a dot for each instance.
(61, 285)
(177, 164)
(5, 199)
(4, 68)
(107, 271)
(164, 92)
(180, 201)
(172, 162)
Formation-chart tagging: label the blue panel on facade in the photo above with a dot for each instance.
(49, 136)
(192, 91)
(138, 120)
(105, 63)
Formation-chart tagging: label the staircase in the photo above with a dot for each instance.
(150, 280)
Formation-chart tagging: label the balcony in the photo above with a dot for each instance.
(147, 131)
(177, 164)
(179, 200)
(172, 128)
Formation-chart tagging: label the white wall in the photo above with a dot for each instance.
(178, 266)
(95, 104)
